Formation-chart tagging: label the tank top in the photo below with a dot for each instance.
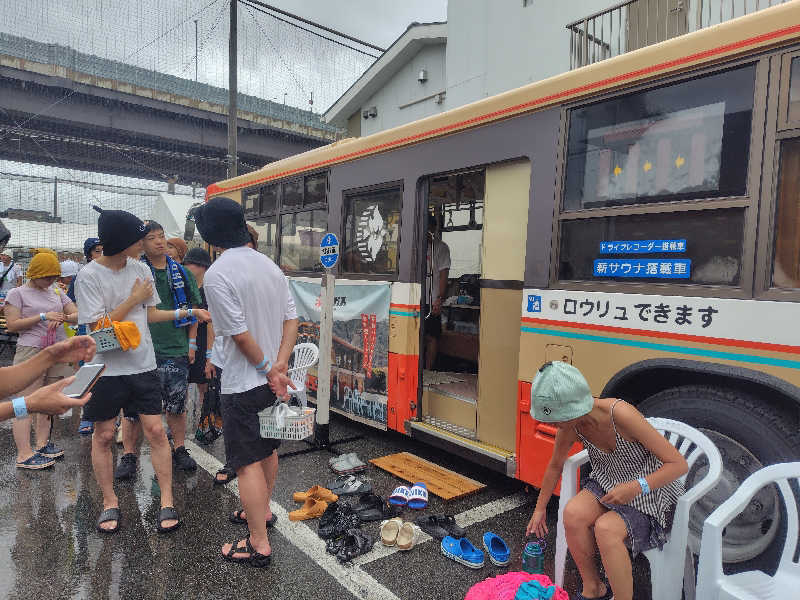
(628, 462)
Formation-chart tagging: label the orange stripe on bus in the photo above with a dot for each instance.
(669, 335)
(786, 31)
(393, 305)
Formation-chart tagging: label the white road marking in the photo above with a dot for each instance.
(465, 519)
(353, 578)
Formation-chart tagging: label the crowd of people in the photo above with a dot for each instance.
(158, 298)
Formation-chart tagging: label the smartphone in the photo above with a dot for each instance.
(85, 378)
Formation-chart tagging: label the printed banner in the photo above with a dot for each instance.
(359, 372)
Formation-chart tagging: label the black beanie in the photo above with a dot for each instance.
(221, 223)
(118, 230)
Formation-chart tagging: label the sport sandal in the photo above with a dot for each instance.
(237, 518)
(400, 496)
(463, 552)
(497, 549)
(418, 500)
(108, 515)
(254, 559)
(348, 485)
(408, 536)
(390, 530)
(36, 462)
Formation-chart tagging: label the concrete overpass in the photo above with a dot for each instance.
(64, 108)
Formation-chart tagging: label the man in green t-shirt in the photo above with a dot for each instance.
(175, 346)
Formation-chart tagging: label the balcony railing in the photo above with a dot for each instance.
(635, 24)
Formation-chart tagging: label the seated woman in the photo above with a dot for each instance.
(629, 498)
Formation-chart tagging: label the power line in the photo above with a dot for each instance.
(317, 25)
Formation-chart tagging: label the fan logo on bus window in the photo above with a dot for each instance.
(372, 233)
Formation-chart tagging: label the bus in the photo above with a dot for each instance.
(638, 218)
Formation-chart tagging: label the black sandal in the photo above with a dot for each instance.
(229, 474)
(108, 515)
(255, 559)
(168, 513)
(236, 518)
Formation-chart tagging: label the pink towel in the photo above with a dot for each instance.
(504, 587)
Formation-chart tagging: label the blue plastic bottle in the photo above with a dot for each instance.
(533, 558)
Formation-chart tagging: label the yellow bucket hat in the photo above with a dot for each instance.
(44, 264)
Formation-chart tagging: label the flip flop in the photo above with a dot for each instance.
(317, 492)
(400, 496)
(348, 485)
(255, 559)
(168, 513)
(418, 500)
(108, 515)
(497, 549)
(463, 552)
(310, 510)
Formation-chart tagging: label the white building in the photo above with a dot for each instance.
(490, 46)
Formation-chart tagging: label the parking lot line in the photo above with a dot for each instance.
(353, 578)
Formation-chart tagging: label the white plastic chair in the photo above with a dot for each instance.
(673, 559)
(712, 583)
(306, 356)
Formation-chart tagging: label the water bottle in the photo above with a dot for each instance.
(533, 558)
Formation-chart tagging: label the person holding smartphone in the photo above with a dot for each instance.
(37, 311)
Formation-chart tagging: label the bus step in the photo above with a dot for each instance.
(458, 430)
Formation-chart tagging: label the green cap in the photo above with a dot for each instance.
(560, 393)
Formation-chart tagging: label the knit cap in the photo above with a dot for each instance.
(221, 223)
(44, 264)
(560, 393)
(118, 230)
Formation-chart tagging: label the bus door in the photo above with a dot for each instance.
(470, 349)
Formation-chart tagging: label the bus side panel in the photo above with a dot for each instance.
(403, 381)
(535, 441)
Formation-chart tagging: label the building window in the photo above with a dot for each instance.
(372, 231)
(291, 217)
(685, 140)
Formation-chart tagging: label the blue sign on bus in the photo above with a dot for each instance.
(642, 246)
(671, 268)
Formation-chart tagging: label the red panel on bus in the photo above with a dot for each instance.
(403, 376)
(535, 441)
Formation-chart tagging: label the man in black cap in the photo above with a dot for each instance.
(120, 287)
(255, 316)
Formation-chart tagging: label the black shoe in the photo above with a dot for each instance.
(355, 543)
(336, 520)
(448, 523)
(126, 469)
(439, 526)
(183, 461)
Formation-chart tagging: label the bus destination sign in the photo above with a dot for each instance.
(642, 246)
(678, 268)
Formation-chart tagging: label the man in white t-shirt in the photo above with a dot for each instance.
(437, 269)
(255, 315)
(119, 286)
(10, 275)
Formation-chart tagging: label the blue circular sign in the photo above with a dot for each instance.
(329, 250)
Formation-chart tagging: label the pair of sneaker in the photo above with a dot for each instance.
(43, 458)
(347, 463)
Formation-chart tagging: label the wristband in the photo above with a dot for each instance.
(644, 485)
(192, 340)
(42, 317)
(20, 408)
(177, 314)
(193, 347)
(189, 313)
(208, 353)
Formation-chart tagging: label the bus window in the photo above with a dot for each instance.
(714, 259)
(267, 236)
(687, 140)
(301, 234)
(794, 92)
(292, 194)
(372, 231)
(786, 262)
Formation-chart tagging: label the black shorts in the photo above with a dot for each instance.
(243, 442)
(136, 394)
(197, 370)
(433, 323)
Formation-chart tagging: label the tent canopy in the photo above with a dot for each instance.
(170, 211)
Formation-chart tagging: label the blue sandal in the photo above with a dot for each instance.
(36, 462)
(497, 549)
(463, 552)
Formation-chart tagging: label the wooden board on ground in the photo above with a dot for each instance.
(442, 482)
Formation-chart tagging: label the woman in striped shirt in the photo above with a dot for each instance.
(629, 498)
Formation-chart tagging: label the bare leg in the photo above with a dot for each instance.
(130, 435)
(161, 456)
(431, 348)
(253, 491)
(611, 532)
(177, 424)
(42, 430)
(269, 466)
(103, 464)
(579, 516)
(22, 438)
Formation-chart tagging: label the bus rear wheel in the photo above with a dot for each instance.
(749, 435)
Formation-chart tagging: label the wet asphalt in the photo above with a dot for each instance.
(49, 547)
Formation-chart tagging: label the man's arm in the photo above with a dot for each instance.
(154, 315)
(47, 400)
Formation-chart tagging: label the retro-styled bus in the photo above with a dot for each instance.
(639, 218)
